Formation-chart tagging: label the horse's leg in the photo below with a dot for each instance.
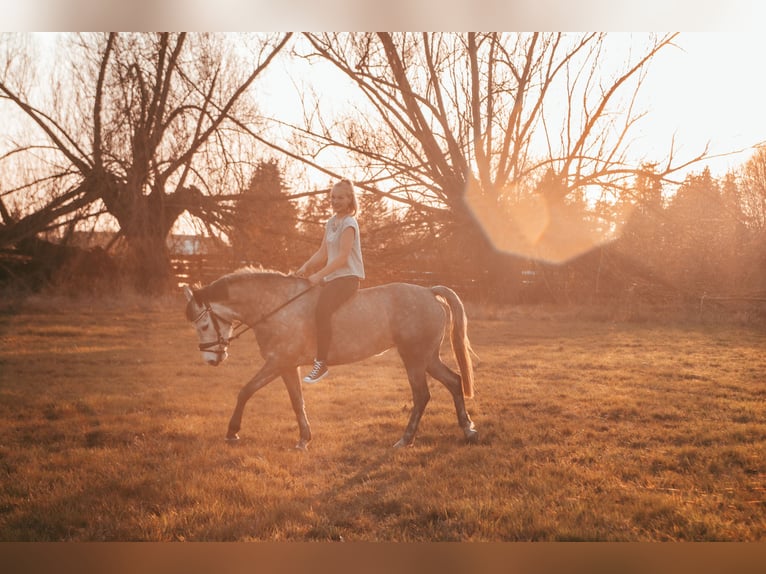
(450, 379)
(292, 380)
(268, 373)
(416, 373)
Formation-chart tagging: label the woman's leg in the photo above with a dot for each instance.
(331, 297)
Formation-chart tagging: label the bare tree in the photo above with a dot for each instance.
(753, 190)
(462, 127)
(145, 128)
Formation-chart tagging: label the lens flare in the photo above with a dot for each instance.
(537, 228)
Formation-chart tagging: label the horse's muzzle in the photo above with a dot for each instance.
(215, 358)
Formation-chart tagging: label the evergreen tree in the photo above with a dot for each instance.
(265, 222)
(700, 236)
(642, 237)
(314, 212)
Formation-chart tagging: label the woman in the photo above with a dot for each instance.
(337, 266)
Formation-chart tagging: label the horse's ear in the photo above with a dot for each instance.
(188, 292)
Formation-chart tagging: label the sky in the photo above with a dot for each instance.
(710, 90)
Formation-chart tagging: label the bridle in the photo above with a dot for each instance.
(221, 341)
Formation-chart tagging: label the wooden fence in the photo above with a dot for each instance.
(191, 269)
(204, 268)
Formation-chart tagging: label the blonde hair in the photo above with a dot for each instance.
(346, 184)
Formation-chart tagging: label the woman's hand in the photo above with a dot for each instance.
(315, 279)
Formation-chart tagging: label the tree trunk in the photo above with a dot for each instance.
(148, 263)
(145, 222)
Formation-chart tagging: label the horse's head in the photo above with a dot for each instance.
(213, 330)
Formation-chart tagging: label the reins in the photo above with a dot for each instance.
(262, 318)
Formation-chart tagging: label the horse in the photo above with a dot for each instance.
(279, 308)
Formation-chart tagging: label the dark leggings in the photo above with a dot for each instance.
(333, 294)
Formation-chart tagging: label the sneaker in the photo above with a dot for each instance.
(318, 373)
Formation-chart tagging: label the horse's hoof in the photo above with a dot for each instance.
(232, 439)
(472, 436)
(401, 443)
(302, 446)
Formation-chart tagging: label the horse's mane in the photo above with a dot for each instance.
(218, 290)
(249, 271)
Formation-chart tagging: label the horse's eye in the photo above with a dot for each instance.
(204, 327)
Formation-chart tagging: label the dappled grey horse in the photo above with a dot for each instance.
(280, 310)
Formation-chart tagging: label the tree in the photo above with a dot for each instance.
(460, 127)
(753, 190)
(752, 185)
(143, 126)
(704, 235)
(264, 223)
(642, 216)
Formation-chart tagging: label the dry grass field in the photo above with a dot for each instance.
(111, 428)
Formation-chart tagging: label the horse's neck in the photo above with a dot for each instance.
(258, 295)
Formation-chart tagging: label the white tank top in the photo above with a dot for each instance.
(354, 264)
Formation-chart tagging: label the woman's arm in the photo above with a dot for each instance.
(316, 260)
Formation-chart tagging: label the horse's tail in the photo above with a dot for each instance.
(461, 346)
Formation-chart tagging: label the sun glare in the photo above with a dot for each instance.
(534, 228)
